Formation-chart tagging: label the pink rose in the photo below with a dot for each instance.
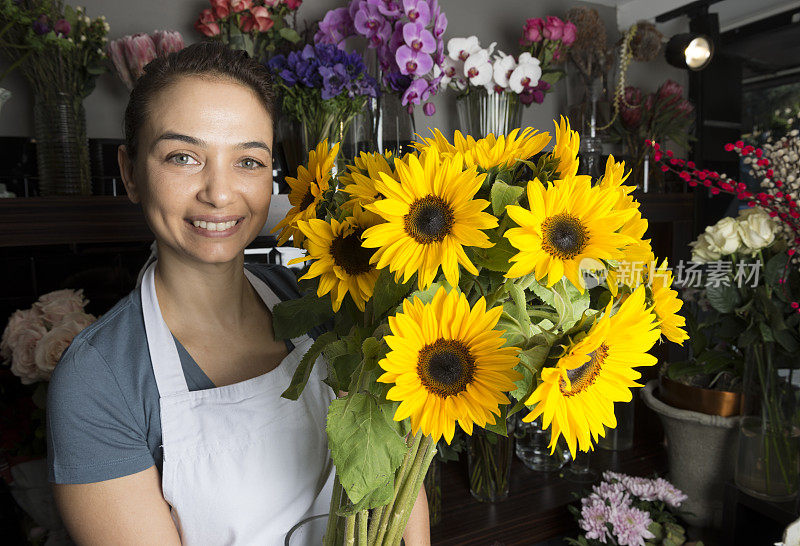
(221, 8)
(19, 322)
(53, 344)
(23, 359)
(241, 5)
(272, 3)
(532, 31)
(54, 306)
(553, 28)
(570, 33)
(206, 25)
(293, 4)
(258, 20)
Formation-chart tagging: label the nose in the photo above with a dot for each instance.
(217, 184)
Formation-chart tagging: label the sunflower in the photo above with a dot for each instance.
(632, 267)
(448, 364)
(307, 190)
(566, 149)
(491, 151)
(567, 222)
(667, 304)
(358, 180)
(430, 215)
(340, 261)
(577, 395)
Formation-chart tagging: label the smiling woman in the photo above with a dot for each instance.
(165, 420)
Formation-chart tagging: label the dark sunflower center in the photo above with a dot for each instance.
(445, 367)
(308, 198)
(564, 236)
(348, 253)
(429, 219)
(584, 376)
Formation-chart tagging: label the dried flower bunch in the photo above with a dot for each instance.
(646, 43)
(589, 51)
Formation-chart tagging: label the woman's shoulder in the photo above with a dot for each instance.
(279, 278)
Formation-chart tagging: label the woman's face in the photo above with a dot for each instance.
(203, 172)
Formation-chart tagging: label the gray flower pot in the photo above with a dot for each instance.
(702, 454)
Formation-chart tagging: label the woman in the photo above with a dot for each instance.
(165, 421)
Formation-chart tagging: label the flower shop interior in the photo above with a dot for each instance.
(666, 179)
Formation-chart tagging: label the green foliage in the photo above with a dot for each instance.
(365, 447)
(504, 195)
(293, 318)
(303, 371)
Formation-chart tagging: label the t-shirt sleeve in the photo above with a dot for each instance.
(92, 434)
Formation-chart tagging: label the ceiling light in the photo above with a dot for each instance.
(692, 51)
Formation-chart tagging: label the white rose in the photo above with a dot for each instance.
(701, 250)
(724, 237)
(756, 229)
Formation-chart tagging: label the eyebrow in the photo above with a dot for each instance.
(197, 142)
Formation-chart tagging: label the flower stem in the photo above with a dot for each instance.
(350, 530)
(398, 481)
(361, 523)
(333, 519)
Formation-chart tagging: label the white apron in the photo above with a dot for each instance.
(241, 464)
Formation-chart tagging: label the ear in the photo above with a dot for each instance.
(126, 169)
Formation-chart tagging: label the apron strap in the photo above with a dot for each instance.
(163, 352)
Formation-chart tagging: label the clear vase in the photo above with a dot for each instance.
(531, 443)
(619, 438)
(385, 126)
(481, 113)
(333, 127)
(489, 463)
(768, 463)
(62, 148)
(588, 98)
(308, 531)
(433, 490)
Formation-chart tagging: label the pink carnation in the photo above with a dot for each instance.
(54, 306)
(52, 345)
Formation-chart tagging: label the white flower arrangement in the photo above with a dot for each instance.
(748, 233)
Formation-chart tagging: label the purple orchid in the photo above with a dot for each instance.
(418, 38)
(41, 25)
(417, 93)
(388, 8)
(369, 21)
(335, 27)
(413, 62)
(417, 11)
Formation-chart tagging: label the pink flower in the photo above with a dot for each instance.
(241, 5)
(670, 90)
(54, 306)
(23, 360)
(570, 33)
(532, 31)
(18, 323)
(52, 345)
(293, 4)
(630, 110)
(206, 25)
(258, 20)
(553, 28)
(167, 41)
(139, 51)
(62, 27)
(221, 8)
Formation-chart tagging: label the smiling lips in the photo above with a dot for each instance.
(220, 227)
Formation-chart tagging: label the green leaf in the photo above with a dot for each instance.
(365, 447)
(775, 268)
(388, 294)
(725, 299)
(766, 333)
(504, 195)
(293, 318)
(787, 339)
(497, 257)
(303, 370)
(520, 308)
(569, 303)
(289, 34)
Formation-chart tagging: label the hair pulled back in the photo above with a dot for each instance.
(210, 59)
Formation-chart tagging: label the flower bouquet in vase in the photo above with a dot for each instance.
(449, 280)
(764, 314)
(405, 53)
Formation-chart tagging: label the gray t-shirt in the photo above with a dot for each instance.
(103, 411)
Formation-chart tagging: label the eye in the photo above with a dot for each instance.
(250, 163)
(182, 159)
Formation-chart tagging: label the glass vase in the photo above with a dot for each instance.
(385, 126)
(621, 437)
(768, 464)
(531, 443)
(588, 98)
(308, 531)
(481, 113)
(433, 490)
(62, 148)
(489, 463)
(333, 127)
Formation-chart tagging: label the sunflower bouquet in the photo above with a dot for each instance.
(462, 283)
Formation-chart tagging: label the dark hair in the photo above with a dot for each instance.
(210, 59)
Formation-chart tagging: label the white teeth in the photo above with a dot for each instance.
(212, 226)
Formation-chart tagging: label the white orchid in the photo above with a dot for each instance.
(453, 74)
(503, 66)
(526, 74)
(478, 69)
(460, 49)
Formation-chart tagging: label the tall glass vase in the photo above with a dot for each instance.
(768, 465)
(385, 126)
(489, 463)
(481, 113)
(62, 148)
(333, 127)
